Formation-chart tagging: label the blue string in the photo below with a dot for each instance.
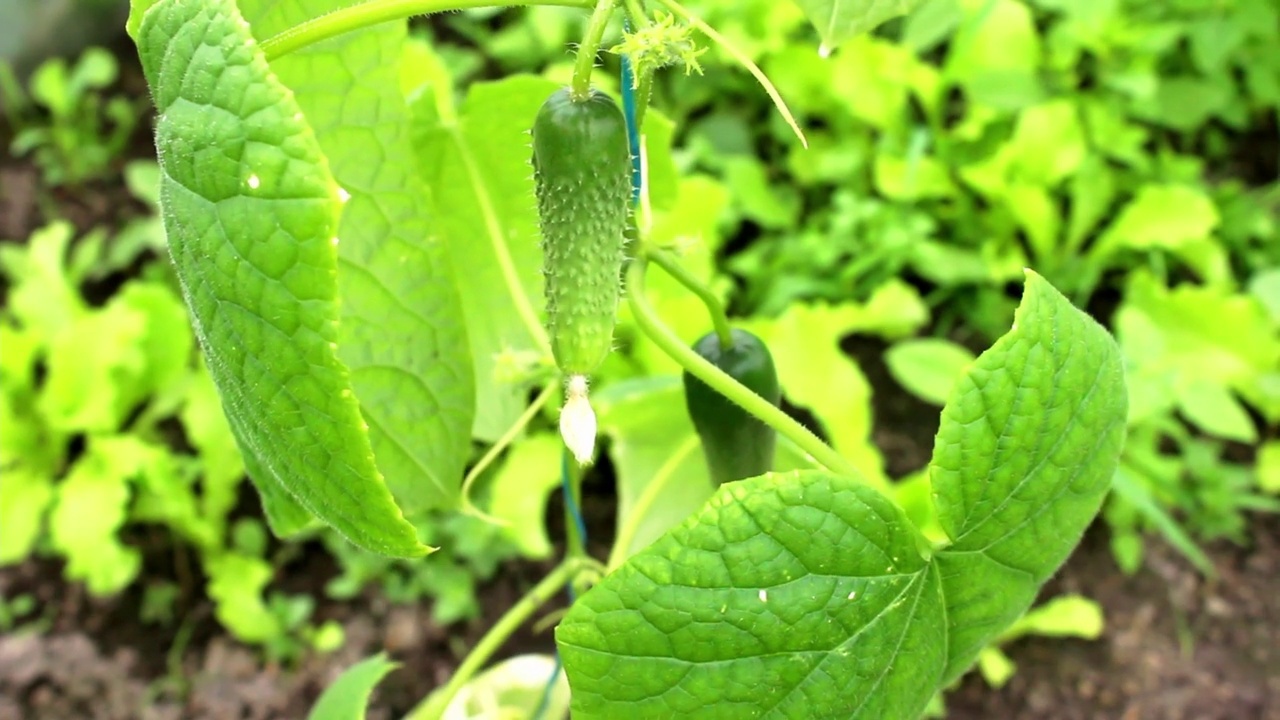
(572, 504)
(545, 703)
(633, 142)
(629, 110)
(569, 499)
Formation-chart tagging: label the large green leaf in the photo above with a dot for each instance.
(794, 595)
(284, 513)
(807, 595)
(1028, 444)
(479, 177)
(251, 214)
(402, 332)
(839, 20)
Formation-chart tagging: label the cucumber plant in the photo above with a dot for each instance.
(325, 284)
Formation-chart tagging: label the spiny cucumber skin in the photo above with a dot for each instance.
(582, 171)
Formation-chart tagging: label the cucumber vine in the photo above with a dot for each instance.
(649, 322)
(1012, 502)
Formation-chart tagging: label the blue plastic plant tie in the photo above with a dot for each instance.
(569, 499)
(629, 111)
(572, 504)
(545, 703)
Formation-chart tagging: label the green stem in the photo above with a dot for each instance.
(644, 88)
(580, 88)
(468, 507)
(376, 12)
(436, 703)
(673, 267)
(635, 10)
(699, 367)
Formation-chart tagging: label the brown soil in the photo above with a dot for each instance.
(1176, 647)
(81, 669)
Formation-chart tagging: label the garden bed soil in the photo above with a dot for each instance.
(1176, 647)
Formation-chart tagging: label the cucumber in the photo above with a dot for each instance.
(735, 443)
(582, 171)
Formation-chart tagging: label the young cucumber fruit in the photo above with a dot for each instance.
(582, 170)
(737, 445)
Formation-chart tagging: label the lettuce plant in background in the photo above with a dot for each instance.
(64, 122)
(1072, 148)
(92, 393)
(112, 378)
